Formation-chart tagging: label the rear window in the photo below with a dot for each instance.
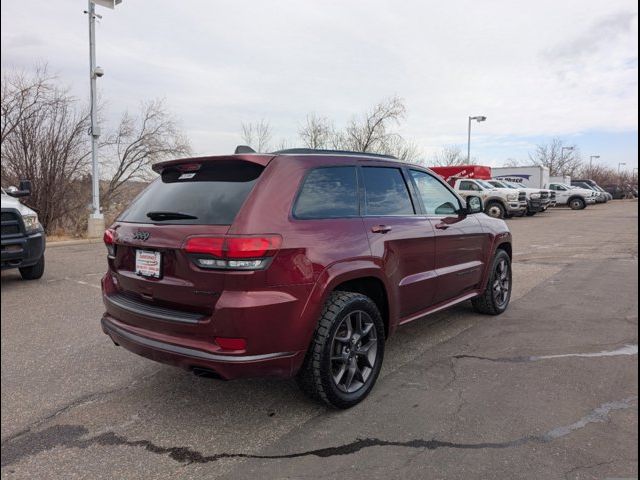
(328, 192)
(212, 195)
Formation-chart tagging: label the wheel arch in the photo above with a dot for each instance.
(354, 276)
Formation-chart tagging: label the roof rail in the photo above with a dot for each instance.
(244, 149)
(308, 151)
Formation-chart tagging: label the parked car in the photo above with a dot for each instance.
(23, 238)
(297, 263)
(617, 192)
(473, 180)
(538, 200)
(573, 197)
(603, 197)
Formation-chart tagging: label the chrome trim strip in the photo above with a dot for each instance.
(189, 352)
(424, 313)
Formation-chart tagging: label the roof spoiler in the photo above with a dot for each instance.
(244, 149)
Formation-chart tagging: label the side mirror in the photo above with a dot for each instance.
(23, 191)
(474, 205)
(25, 186)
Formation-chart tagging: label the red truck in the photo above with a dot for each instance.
(463, 171)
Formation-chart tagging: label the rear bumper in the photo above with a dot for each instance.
(22, 251)
(174, 351)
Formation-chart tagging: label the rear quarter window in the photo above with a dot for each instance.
(213, 194)
(328, 192)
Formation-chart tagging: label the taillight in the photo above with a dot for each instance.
(109, 239)
(251, 252)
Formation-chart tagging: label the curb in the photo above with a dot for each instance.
(80, 241)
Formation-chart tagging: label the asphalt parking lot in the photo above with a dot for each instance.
(547, 390)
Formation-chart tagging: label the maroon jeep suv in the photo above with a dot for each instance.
(296, 263)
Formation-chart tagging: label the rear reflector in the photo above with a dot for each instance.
(231, 343)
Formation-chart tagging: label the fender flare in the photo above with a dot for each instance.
(499, 239)
(340, 272)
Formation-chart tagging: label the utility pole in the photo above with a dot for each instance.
(96, 219)
(479, 118)
(570, 149)
(95, 226)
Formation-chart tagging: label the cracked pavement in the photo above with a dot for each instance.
(547, 390)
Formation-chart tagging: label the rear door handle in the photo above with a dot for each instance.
(442, 226)
(380, 229)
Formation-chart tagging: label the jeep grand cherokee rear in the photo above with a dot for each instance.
(295, 264)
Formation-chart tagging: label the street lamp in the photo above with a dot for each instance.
(591, 160)
(479, 118)
(96, 219)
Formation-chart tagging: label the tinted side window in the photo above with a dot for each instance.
(436, 198)
(468, 186)
(330, 192)
(386, 192)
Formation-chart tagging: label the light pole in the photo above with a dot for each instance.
(591, 161)
(479, 118)
(95, 226)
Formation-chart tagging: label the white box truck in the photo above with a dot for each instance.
(528, 177)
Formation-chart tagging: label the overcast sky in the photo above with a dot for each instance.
(536, 69)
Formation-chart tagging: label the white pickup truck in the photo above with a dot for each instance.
(498, 202)
(538, 200)
(574, 197)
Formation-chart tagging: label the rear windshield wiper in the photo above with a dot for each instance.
(159, 216)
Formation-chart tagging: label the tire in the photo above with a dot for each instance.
(577, 203)
(495, 210)
(33, 272)
(530, 213)
(492, 301)
(332, 372)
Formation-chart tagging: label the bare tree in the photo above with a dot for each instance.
(21, 94)
(316, 132)
(257, 135)
(139, 141)
(371, 132)
(47, 143)
(403, 150)
(449, 155)
(559, 158)
(512, 162)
